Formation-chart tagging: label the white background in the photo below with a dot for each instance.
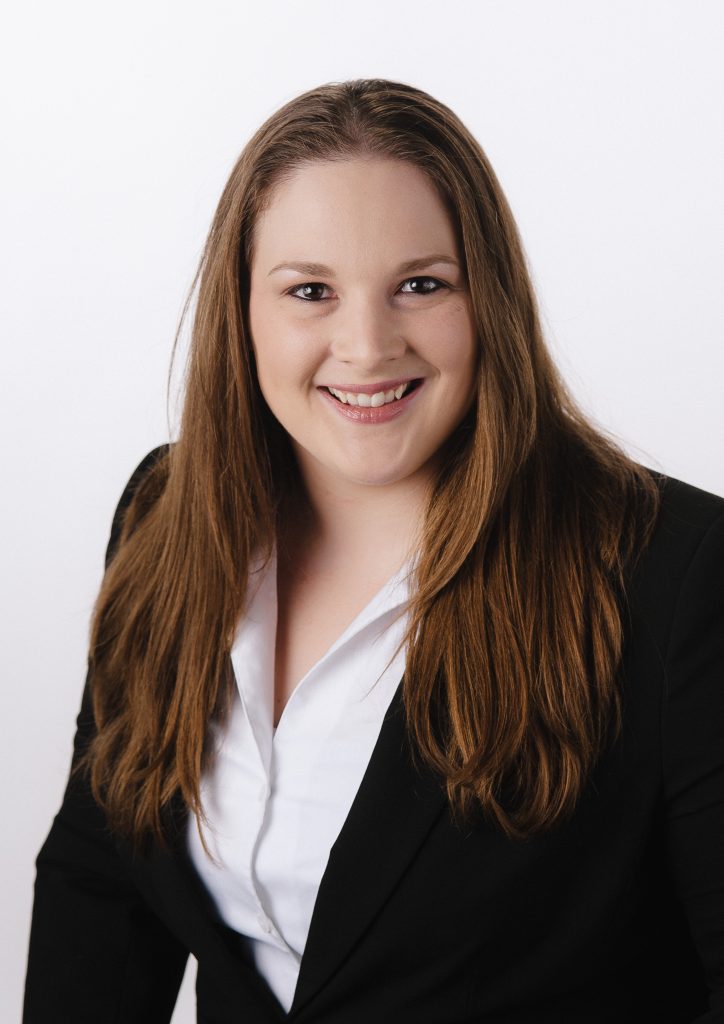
(120, 125)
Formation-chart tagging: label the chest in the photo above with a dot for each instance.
(313, 611)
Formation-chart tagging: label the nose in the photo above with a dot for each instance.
(366, 335)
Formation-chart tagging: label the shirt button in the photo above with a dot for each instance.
(264, 923)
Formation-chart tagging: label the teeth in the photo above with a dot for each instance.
(370, 401)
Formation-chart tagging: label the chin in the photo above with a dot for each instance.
(379, 477)
(370, 479)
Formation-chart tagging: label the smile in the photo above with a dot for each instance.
(378, 403)
(367, 398)
(373, 401)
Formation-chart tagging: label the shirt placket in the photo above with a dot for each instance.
(253, 675)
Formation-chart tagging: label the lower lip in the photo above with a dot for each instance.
(366, 414)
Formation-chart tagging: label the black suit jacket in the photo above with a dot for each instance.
(617, 916)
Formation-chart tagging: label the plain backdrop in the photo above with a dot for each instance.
(120, 125)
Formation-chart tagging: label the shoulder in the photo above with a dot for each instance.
(140, 474)
(685, 507)
(687, 515)
(683, 563)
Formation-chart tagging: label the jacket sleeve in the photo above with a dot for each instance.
(97, 952)
(693, 750)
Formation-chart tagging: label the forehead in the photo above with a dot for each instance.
(336, 210)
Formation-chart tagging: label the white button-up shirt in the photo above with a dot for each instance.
(276, 799)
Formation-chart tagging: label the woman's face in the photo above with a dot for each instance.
(360, 322)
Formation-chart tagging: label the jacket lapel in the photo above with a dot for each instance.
(394, 809)
(177, 894)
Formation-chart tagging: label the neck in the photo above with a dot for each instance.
(356, 524)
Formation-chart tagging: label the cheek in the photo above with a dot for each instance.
(454, 351)
(286, 357)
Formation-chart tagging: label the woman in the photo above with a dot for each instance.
(405, 688)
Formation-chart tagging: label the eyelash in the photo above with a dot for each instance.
(319, 284)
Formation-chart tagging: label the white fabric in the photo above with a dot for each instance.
(276, 800)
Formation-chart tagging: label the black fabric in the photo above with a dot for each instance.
(618, 916)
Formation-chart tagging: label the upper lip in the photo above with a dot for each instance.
(370, 389)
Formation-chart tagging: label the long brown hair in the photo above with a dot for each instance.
(512, 683)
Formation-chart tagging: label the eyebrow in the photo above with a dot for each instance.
(304, 267)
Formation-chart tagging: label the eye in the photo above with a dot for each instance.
(425, 281)
(306, 286)
(306, 292)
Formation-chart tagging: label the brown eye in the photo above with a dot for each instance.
(421, 283)
(306, 288)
